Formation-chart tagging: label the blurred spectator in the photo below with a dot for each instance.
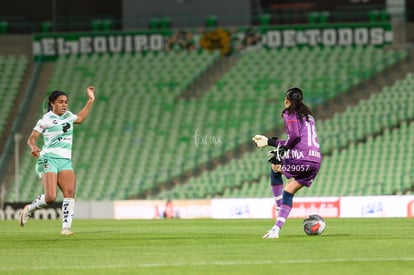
(180, 40)
(169, 210)
(252, 40)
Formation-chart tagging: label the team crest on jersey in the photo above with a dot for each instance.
(55, 121)
(46, 165)
(43, 166)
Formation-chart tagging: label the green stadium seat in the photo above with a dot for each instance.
(313, 17)
(374, 15)
(4, 27)
(46, 26)
(324, 17)
(154, 23)
(265, 19)
(96, 25)
(165, 23)
(212, 21)
(107, 24)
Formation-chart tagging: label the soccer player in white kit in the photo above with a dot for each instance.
(54, 164)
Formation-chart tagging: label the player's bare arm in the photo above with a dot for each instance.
(31, 141)
(85, 110)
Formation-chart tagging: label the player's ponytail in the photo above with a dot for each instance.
(52, 97)
(295, 96)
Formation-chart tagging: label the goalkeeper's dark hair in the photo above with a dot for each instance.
(52, 97)
(295, 96)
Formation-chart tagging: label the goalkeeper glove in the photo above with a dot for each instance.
(276, 155)
(261, 141)
(273, 157)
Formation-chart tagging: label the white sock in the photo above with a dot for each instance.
(68, 207)
(39, 202)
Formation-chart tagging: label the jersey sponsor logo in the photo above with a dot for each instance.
(296, 154)
(66, 127)
(313, 153)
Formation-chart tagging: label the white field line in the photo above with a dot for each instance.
(213, 263)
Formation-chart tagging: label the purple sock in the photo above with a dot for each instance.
(277, 191)
(282, 215)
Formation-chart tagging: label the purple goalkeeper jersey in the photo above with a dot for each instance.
(302, 139)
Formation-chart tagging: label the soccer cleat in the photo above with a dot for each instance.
(24, 215)
(272, 233)
(66, 232)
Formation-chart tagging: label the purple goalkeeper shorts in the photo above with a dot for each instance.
(304, 172)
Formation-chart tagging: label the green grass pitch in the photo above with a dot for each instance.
(348, 246)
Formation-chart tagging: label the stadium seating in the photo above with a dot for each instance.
(12, 69)
(381, 165)
(141, 133)
(372, 168)
(135, 103)
(384, 110)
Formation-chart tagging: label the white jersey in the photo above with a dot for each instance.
(57, 133)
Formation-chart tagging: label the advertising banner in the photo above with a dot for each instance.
(48, 46)
(242, 208)
(377, 206)
(259, 208)
(11, 211)
(159, 209)
(328, 207)
(232, 208)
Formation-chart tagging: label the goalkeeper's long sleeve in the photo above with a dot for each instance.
(292, 131)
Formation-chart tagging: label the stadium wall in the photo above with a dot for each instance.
(246, 208)
(137, 14)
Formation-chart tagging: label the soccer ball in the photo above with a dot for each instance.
(314, 225)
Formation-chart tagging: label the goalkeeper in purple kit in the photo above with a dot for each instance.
(299, 154)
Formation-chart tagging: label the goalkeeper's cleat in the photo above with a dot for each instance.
(272, 233)
(24, 215)
(66, 232)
